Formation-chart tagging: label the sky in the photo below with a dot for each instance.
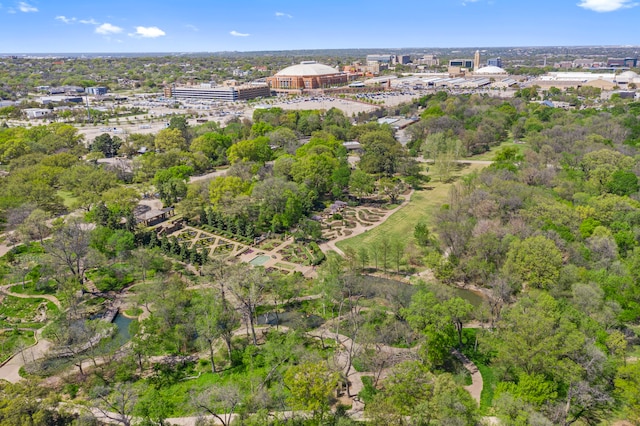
(85, 26)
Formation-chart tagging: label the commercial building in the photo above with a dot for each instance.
(401, 59)
(385, 59)
(461, 63)
(207, 91)
(37, 112)
(97, 91)
(307, 75)
(622, 62)
(429, 61)
(495, 62)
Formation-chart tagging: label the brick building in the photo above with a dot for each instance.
(307, 75)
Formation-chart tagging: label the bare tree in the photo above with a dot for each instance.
(115, 403)
(219, 402)
(69, 247)
(249, 286)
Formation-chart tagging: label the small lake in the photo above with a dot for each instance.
(122, 335)
(392, 289)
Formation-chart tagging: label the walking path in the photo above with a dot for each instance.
(5, 289)
(10, 371)
(359, 228)
(475, 388)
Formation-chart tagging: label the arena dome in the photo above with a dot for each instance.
(308, 68)
(627, 75)
(490, 70)
(307, 75)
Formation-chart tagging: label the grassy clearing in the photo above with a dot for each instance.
(489, 383)
(424, 203)
(68, 199)
(26, 310)
(11, 341)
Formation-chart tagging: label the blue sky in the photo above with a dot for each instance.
(50, 26)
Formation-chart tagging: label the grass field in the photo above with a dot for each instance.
(11, 341)
(68, 199)
(424, 203)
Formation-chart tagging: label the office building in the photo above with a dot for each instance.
(218, 93)
(98, 91)
(461, 63)
(622, 62)
(495, 62)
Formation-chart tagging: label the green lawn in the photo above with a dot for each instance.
(424, 203)
(11, 341)
(68, 199)
(25, 310)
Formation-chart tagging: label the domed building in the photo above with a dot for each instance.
(628, 77)
(490, 70)
(307, 75)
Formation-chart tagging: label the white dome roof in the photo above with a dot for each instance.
(308, 68)
(490, 70)
(628, 75)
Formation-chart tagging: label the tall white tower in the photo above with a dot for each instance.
(476, 61)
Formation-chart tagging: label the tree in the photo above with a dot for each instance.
(256, 150)
(69, 246)
(361, 183)
(249, 288)
(391, 187)
(168, 139)
(35, 227)
(219, 401)
(311, 386)
(106, 144)
(627, 384)
(535, 261)
(535, 337)
(214, 319)
(623, 183)
(115, 403)
(405, 393)
(382, 153)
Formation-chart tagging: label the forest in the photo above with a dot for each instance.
(488, 272)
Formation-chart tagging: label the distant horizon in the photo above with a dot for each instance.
(397, 49)
(134, 26)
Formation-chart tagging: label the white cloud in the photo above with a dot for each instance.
(148, 32)
(106, 29)
(237, 34)
(192, 27)
(26, 7)
(283, 15)
(606, 5)
(64, 19)
(89, 21)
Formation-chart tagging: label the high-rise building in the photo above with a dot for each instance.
(495, 62)
(462, 63)
(476, 61)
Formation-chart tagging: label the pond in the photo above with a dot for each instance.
(122, 335)
(259, 260)
(402, 292)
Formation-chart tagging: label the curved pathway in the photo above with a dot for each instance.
(360, 229)
(10, 371)
(50, 298)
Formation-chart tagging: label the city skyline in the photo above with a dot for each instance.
(164, 26)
